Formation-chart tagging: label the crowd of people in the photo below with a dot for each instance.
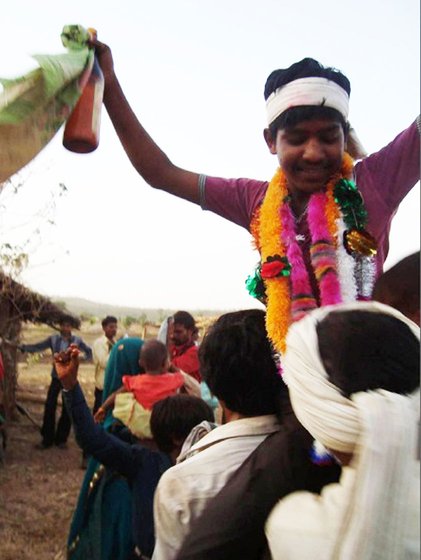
(299, 463)
(289, 432)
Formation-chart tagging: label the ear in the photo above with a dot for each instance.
(270, 141)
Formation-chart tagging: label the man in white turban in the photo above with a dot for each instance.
(353, 377)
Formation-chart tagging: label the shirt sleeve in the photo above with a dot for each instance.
(233, 199)
(38, 346)
(392, 172)
(106, 448)
(85, 349)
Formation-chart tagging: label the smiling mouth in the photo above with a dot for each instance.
(318, 174)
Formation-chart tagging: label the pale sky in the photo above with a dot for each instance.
(194, 72)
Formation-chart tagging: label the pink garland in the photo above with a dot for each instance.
(323, 258)
(323, 251)
(302, 298)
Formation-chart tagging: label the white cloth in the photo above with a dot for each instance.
(185, 489)
(307, 91)
(301, 526)
(100, 352)
(379, 427)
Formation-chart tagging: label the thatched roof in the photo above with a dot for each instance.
(31, 306)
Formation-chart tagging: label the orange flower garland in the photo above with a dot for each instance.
(266, 228)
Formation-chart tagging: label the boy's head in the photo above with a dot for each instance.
(173, 418)
(307, 109)
(399, 287)
(154, 356)
(65, 326)
(236, 361)
(183, 327)
(109, 326)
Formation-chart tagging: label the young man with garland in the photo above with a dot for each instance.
(322, 239)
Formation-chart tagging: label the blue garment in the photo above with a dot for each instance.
(52, 434)
(56, 343)
(101, 527)
(142, 467)
(207, 396)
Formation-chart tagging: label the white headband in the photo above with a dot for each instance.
(307, 91)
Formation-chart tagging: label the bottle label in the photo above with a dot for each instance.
(97, 105)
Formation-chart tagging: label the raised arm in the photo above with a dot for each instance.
(37, 347)
(146, 157)
(107, 404)
(106, 448)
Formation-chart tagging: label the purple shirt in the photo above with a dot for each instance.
(383, 178)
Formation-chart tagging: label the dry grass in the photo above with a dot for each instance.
(38, 489)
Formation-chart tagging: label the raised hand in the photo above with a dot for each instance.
(67, 365)
(104, 56)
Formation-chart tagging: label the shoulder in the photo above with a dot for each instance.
(98, 342)
(233, 199)
(298, 527)
(194, 349)
(308, 520)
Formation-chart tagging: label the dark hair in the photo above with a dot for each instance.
(308, 67)
(153, 354)
(107, 320)
(184, 318)
(399, 286)
(363, 351)
(174, 417)
(74, 322)
(236, 361)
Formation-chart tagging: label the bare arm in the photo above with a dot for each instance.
(146, 157)
(107, 404)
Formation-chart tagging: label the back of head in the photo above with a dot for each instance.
(184, 318)
(236, 361)
(306, 68)
(153, 355)
(399, 287)
(363, 351)
(173, 418)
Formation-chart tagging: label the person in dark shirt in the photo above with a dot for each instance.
(171, 421)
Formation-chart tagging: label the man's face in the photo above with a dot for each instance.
(110, 330)
(66, 330)
(180, 335)
(309, 152)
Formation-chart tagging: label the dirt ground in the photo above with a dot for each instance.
(38, 488)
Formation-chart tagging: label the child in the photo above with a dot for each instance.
(134, 400)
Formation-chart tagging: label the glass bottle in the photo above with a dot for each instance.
(81, 132)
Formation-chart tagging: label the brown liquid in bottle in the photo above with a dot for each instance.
(81, 133)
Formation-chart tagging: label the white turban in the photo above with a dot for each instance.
(379, 427)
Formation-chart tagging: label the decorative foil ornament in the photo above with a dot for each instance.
(359, 241)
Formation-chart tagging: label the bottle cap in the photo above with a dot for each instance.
(93, 34)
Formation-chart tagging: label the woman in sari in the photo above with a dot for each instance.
(101, 524)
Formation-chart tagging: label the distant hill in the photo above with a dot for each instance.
(80, 306)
